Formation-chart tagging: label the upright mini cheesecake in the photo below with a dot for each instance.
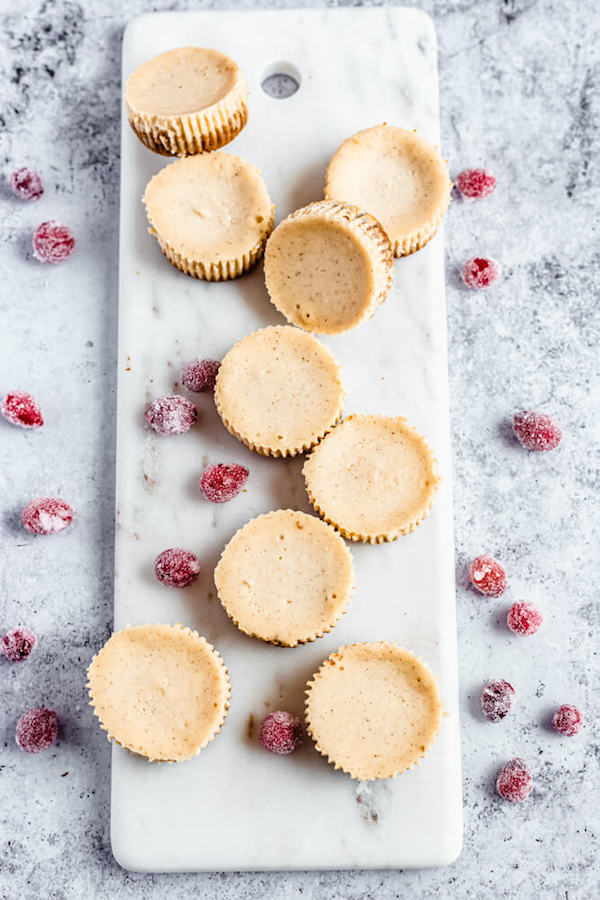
(285, 577)
(373, 477)
(328, 267)
(397, 176)
(373, 710)
(187, 101)
(210, 214)
(279, 391)
(162, 691)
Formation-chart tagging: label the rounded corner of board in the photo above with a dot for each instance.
(452, 850)
(124, 855)
(134, 25)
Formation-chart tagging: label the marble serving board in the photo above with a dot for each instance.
(235, 806)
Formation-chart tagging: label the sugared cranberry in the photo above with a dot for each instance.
(18, 643)
(199, 375)
(20, 408)
(172, 415)
(488, 575)
(514, 781)
(53, 242)
(176, 567)
(524, 618)
(280, 732)
(26, 184)
(479, 273)
(47, 515)
(475, 184)
(537, 431)
(223, 482)
(567, 720)
(37, 729)
(497, 700)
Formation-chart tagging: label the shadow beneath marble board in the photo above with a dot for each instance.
(92, 120)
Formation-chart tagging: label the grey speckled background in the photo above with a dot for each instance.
(520, 85)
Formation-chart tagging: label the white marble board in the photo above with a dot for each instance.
(235, 807)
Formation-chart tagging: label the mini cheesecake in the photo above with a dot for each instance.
(328, 267)
(372, 477)
(187, 101)
(161, 691)
(279, 391)
(210, 214)
(398, 177)
(285, 577)
(373, 710)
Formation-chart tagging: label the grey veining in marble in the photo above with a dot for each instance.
(520, 92)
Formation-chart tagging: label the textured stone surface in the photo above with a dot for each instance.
(520, 94)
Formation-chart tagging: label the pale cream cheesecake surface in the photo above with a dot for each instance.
(398, 177)
(285, 577)
(161, 691)
(373, 710)
(373, 477)
(279, 390)
(187, 101)
(211, 214)
(328, 266)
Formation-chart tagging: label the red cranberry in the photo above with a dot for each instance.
(26, 184)
(537, 431)
(488, 575)
(20, 408)
(567, 720)
(524, 618)
(479, 273)
(497, 700)
(176, 567)
(47, 515)
(172, 415)
(475, 183)
(280, 732)
(199, 375)
(223, 482)
(18, 643)
(53, 242)
(514, 781)
(37, 729)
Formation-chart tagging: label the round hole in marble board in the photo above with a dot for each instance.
(280, 80)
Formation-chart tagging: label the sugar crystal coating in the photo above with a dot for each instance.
(176, 567)
(567, 720)
(497, 700)
(479, 273)
(47, 515)
(18, 643)
(26, 184)
(53, 242)
(199, 375)
(476, 183)
(537, 431)
(280, 732)
(20, 408)
(524, 617)
(514, 781)
(223, 482)
(488, 575)
(171, 415)
(37, 729)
